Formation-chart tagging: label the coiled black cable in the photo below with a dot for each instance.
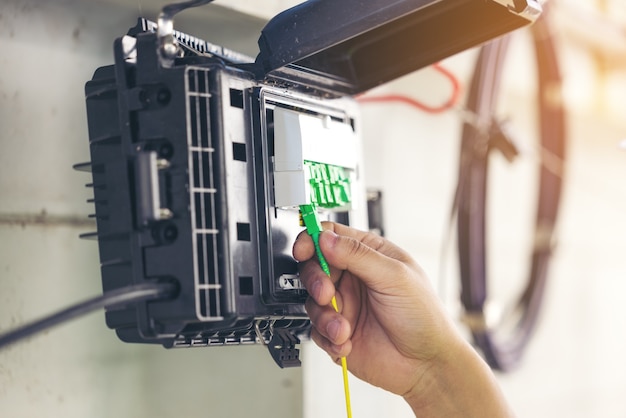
(478, 140)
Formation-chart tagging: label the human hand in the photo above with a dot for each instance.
(391, 325)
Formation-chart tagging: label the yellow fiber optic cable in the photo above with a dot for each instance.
(344, 369)
(314, 228)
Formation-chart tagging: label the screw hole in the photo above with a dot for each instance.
(164, 96)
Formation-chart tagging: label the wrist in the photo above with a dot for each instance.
(457, 383)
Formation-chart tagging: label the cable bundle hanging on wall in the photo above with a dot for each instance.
(479, 138)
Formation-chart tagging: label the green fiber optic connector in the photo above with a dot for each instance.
(314, 228)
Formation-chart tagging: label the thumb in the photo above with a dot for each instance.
(376, 261)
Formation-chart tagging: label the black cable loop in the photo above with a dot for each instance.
(471, 195)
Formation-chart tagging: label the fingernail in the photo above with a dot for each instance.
(331, 237)
(332, 329)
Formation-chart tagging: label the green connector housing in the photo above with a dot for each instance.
(330, 185)
(314, 229)
(310, 219)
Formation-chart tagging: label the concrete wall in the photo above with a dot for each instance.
(80, 369)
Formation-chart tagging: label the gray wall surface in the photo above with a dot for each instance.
(49, 49)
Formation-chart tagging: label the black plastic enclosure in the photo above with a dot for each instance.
(181, 160)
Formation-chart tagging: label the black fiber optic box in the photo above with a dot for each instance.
(185, 156)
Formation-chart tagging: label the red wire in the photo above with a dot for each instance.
(400, 98)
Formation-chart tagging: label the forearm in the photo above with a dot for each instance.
(458, 384)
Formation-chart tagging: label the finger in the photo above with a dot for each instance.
(314, 279)
(328, 323)
(376, 269)
(303, 248)
(316, 282)
(374, 241)
(333, 350)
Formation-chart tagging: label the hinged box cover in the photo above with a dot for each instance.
(347, 47)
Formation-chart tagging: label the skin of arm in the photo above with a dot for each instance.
(392, 327)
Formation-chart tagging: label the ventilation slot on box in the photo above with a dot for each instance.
(202, 202)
